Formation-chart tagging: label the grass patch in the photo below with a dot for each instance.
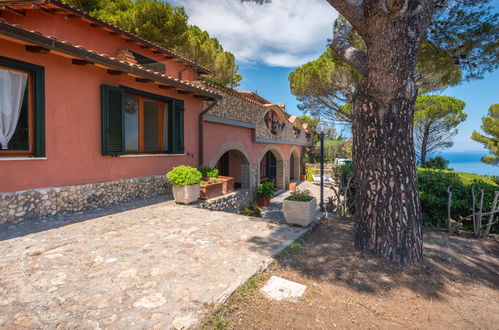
(294, 247)
(218, 319)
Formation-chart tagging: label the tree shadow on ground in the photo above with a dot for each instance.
(29, 226)
(328, 255)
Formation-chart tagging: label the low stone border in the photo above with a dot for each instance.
(39, 203)
(232, 202)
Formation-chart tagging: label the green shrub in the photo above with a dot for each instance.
(266, 190)
(342, 174)
(438, 163)
(251, 210)
(433, 185)
(184, 175)
(208, 172)
(301, 196)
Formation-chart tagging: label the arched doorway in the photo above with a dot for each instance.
(233, 163)
(271, 166)
(294, 165)
(233, 160)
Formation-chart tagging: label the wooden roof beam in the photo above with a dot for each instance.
(77, 61)
(36, 49)
(115, 72)
(143, 80)
(46, 11)
(14, 11)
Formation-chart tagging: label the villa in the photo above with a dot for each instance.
(92, 115)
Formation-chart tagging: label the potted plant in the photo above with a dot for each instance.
(211, 188)
(299, 208)
(264, 192)
(186, 183)
(210, 173)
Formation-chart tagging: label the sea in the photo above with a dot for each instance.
(469, 162)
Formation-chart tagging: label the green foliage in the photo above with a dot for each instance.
(160, 22)
(467, 32)
(266, 190)
(490, 138)
(184, 175)
(438, 163)
(435, 120)
(251, 210)
(461, 44)
(337, 148)
(301, 196)
(433, 185)
(345, 176)
(208, 172)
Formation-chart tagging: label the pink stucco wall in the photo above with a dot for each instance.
(73, 129)
(216, 135)
(79, 32)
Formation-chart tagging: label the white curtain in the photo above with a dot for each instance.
(12, 86)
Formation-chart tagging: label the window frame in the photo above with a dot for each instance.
(160, 106)
(36, 117)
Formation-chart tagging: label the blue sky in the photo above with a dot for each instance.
(270, 41)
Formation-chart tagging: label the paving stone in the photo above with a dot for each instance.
(278, 288)
(156, 266)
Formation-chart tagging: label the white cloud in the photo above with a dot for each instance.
(284, 33)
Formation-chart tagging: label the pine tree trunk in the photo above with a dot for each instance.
(388, 212)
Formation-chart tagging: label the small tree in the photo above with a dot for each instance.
(490, 126)
(435, 120)
(438, 163)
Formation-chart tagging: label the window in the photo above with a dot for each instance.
(134, 121)
(21, 109)
(146, 124)
(273, 122)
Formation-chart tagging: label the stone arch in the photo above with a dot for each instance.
(282, 177)
(294, 164)
(238, 163)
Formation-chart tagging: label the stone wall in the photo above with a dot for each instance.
(232, 202)
(236, 108)
(39, 203)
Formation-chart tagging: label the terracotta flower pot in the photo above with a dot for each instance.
(211, 190)
(292, 186)
(228, 184)
(263, 201)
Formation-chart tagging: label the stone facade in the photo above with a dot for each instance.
(244, 110)
(43, 202)
(232, 202)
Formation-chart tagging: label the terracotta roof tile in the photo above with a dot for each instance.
(117, 29)
(114, 59)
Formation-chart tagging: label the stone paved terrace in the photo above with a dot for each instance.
(155, 266)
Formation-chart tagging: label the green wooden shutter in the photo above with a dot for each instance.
(178, 127)
(113, 132)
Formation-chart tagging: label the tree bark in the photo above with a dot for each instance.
(388, 212)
